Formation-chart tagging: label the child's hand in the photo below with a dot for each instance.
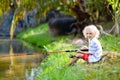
(84, 47)
(79, 51)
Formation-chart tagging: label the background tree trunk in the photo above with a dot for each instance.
(15, 19)
(115, 29)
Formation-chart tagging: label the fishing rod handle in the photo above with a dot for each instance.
(76, 50)
(71, 51)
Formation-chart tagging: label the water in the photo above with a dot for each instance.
(20, 67)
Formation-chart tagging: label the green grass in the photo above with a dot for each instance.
(111, 43)
(38, 36)
(55, 65)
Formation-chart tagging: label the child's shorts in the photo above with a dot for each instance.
(85, 57)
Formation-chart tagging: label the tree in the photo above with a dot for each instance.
(22, 6)
(115, 11)
(15, 19)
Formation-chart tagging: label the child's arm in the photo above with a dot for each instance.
(83, 52)
(84, 47)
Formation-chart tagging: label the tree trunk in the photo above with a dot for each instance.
(82, 16)
(82, 3)
(102, 31)
(15, 19)
(115, 29)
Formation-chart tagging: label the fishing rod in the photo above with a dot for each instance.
(37, 53)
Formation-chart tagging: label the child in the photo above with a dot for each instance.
(94, 52)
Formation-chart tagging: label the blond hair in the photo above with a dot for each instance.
(93, 28)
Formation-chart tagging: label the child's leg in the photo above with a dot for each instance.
(82, 56)
(74, 59)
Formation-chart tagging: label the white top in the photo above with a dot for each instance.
(95, 49)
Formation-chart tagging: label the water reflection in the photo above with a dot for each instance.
(17, 67)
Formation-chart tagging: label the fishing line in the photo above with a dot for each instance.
(37, 53)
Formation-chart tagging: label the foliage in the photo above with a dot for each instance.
(110, 43)
(115, 8)
(94, 7)
(39, 36)
(4, 5)
(26, 5)
(115, 11)
(32, 47)
(44, 5)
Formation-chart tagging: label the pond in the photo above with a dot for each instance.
(15, 63)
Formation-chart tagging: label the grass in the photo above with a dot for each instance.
(110, 43)
(38, 36)
(55, 65)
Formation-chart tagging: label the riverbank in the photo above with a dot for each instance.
(55, 65)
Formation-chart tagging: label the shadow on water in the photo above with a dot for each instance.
(19, 67)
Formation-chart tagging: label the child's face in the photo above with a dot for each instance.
(90, 34)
